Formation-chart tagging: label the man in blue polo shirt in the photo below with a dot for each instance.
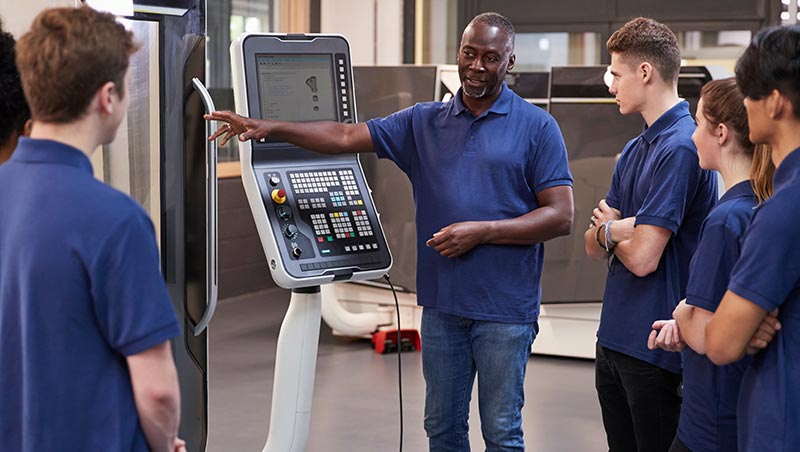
(767, 275)
(491, 183)
(85, 318)
(647, 228)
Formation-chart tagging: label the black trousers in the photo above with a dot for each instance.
(640, 402)
(678, 446)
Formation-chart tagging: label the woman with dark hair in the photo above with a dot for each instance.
(767, 275)
(14, 113)
(708, 413)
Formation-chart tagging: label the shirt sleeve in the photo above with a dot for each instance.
(769, 267)
(548, 165)
(393, 138)
(674, 185)
(711, 265)
(131, 302)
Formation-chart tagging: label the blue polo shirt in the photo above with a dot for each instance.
(80, 290)
(659, 181)
(464, 168)
(708, 411)
(768, 275)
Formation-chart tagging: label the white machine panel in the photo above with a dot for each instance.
(314, 213)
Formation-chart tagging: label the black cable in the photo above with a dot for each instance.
(399, 360)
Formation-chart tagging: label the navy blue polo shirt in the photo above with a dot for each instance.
(80, 290)
(659, 181)
(464, 168)
(708, 411)
(768, 275)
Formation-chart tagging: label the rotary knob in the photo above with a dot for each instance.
(274, 180)
(296, 252)
(290, 231)
(284, 213)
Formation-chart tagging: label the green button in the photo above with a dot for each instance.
(330, 239)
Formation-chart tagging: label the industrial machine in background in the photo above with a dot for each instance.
(162, 159)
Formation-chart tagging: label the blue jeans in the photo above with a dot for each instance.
(454, 349)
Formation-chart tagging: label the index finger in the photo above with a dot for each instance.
(222, 115)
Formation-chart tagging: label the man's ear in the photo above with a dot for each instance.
(646, 72)
(107, 98)
(26, 129)
(511, 60)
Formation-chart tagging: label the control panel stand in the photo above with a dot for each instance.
(295, 363)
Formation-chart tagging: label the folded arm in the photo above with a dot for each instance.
(738, 327)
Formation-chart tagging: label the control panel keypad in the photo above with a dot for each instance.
(350, 188)
(320, 224)
(342, 226)
(330, 202)
(362, 223)
(314, 181)
(311, 203)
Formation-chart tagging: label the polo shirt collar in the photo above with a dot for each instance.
(666, 120)
(501, 105)
(741, 190)
(31, 150)
(789, 169)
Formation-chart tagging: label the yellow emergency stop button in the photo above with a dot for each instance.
(279, 196)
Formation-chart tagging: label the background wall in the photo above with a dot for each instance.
(373, 27)
(18, 15)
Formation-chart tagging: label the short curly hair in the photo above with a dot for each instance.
(14, 110)
(66, 56)
(646, 40)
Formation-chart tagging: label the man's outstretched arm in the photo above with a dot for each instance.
(327, 137)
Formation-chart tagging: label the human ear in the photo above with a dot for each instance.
(723, 133)
(107, 97)
(646, 72)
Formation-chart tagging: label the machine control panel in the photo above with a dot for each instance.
(314, 213)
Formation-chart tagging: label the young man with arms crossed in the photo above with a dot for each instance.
(85, 318)
(647, 227)
(491, 183)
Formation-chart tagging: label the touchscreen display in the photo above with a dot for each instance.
(296, 87)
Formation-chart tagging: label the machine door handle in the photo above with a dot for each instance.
(212, 268)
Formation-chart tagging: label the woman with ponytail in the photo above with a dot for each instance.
(708, 412)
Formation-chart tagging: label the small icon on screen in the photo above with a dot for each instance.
(312, 83)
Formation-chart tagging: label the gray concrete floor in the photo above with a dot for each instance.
(355, 393)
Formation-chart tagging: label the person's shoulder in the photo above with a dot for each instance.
(430, 106)
(110, 205)
(676, 145)
(733, 213)
(528, 109)
(784, 205)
